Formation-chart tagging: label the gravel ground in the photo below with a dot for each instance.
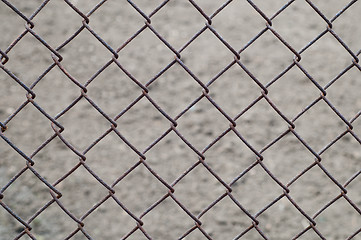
(144, 57)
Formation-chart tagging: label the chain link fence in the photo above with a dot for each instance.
(245, 127)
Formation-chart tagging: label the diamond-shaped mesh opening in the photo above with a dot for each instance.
(26, 195)
(345, 22)
(90, 121)
(12, 95)
(347, 102)
(238, 23)
(112, 90)
(119, 221)
(261, 60)
(139, 184)
(229, 157)
(52, 167)
(10, 163)
(81, 183)
(242, 84)
(202, 124)
(12, 25)
(29, 119)
(282, 220)
(342, 158)
(325, 59)
(304, 92)
(225, 220)
(113, 155)
(320, 133)
(197, 184)
(84, 55)
(175, 90)
(145, 56)
(31, 54)
(171, 167)
(261, 124)
(143, 119)
(171, 222)
(126, 20)
(250, 190)
(297, 19)
(353, 192)
(55, 92)
(287, 158)
(313, 190)
(26, 8)
(183, 22)
(340, 213)
(9, 227)
(206, 66)
(64, 23)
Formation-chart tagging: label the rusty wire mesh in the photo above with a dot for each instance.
(256, 227)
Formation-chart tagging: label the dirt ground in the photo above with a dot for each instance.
(144, 57)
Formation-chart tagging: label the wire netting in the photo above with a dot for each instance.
(280, 163)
